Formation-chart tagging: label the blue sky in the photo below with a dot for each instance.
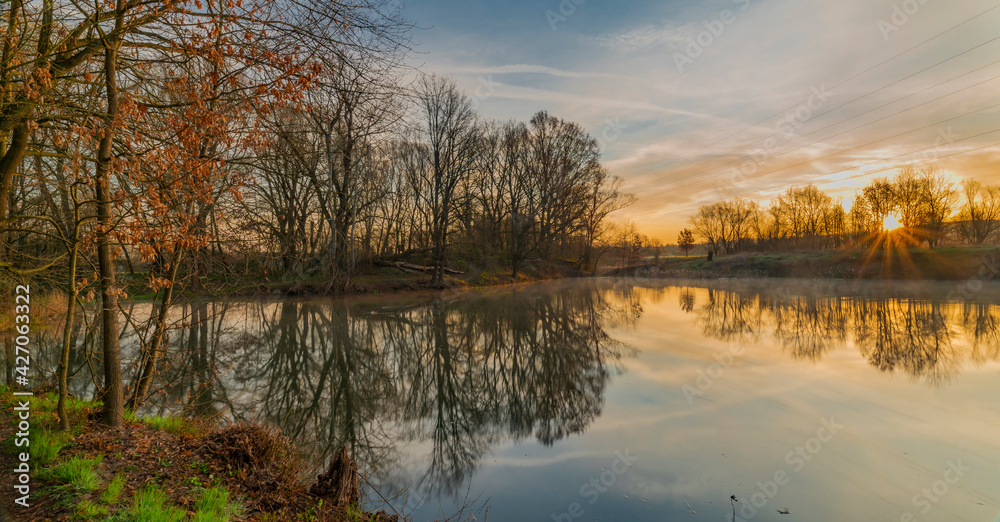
(701, 101)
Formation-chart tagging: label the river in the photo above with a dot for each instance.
(625, 399)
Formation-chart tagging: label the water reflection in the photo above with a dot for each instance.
(458, 375)
(424, 388)
(922, 337)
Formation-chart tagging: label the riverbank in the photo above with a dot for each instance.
(943, 264)
(378, 280)
(156, 469)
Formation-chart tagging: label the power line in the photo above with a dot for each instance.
(935, 158)
(734, 160)
(851, 101)
(880, 160)
(857, 147)
(836, 85)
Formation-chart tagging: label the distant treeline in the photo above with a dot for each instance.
(347, 180)
(445, 183)
(921, 207)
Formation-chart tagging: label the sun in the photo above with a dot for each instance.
(890, 223)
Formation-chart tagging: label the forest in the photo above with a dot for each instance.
(245, 245)
(149, 149)
(921, 206)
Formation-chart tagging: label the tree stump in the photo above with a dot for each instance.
(339, 484)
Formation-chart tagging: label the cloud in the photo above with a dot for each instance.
(642, 38)
(683, 127)
(530, 69)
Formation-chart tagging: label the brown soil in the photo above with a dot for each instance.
(255, 464)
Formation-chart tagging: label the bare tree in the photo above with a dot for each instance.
(604, 196)
(805, 211)
(880, 196)
(938, 197)
(449, 131)
(979, 217)
(727, 226)
(564, 165)
(516, 175)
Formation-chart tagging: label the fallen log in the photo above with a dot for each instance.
(407, 253)
(410, 267)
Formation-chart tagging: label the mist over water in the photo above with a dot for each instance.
(615, 399)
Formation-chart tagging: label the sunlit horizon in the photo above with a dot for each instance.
(843, 95)
(891, 223)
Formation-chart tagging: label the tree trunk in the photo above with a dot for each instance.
(440, 246)
(150, 357)
(339, 484)
(9, 162)
(114, 402)
(10, 156)
(68, 335)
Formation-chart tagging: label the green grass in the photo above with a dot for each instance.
(310, 514)
(201, 466)
(170, 425)
(355, 513)
(44, 411)
(214, 505)
(150, 505)
(75, 483)
(72, 480)
(87, 510)
(46, 444)
(943, 263)
(113, 492)
(78, 472)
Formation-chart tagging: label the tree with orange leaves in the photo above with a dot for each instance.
(176, 87)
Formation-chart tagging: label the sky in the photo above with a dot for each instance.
(700, 101)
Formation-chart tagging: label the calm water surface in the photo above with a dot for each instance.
(627, 400)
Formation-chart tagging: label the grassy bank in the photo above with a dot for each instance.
(155, 469)
(949, 263)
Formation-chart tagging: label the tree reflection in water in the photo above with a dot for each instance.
(422, 388)
(923, 337)
(457, 376)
